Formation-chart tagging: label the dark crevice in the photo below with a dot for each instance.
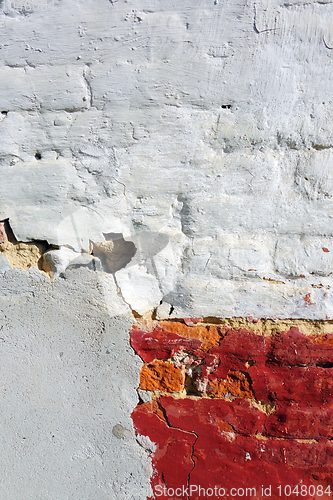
(190, 388)
(136, 314)
(212, 320)
(141, 401)
(193, 461)
(12, 238)
(327, 46)
(161, 407)
(276, 363)
(320, 147)
(327, 364)
(9, 232)
(255, 24)
(154, 314)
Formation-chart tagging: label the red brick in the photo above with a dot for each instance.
(160, 344)
(293, 348)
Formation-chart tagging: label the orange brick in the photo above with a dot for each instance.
(162, 376)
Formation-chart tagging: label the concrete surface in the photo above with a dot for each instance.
(68, 379)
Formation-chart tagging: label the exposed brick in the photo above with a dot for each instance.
(300, 423)
(225, 455)
(162, 376)
(3, 235)
(268, 417)
(237, 384)
(239, 348)
(190, 414)
(171, 445)
(295, 348)
(160, 344)
(309, 386)
(208, 335)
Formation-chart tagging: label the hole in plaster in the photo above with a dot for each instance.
(4, 113)
(226, 106)
(23, 254)
(114, 253)
(38, 155)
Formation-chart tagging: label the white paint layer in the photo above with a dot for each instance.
(208, 123)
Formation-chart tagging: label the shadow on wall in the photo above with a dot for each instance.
(114, 253)
(110, 256)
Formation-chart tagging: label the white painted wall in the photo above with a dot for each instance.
(208, 122)
(202, 131)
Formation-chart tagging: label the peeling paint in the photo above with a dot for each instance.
(253, 411)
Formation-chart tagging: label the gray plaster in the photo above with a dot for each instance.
(68, 379)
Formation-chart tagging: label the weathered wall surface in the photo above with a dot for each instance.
(67, 391)
(157, 158)
(207, 123)
(244, 410)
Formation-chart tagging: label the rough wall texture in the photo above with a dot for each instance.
(248, 414)
(200, 131)
(158, 158)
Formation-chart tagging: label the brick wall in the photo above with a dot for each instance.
(237, 408)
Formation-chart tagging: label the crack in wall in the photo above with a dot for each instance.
(290, 371)
(160, 405)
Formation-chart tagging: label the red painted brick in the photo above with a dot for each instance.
(174, 446)
(294, 348)
(160, 344)
(300, 423)
(232, 443)
(309, 386)
(186, 413)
